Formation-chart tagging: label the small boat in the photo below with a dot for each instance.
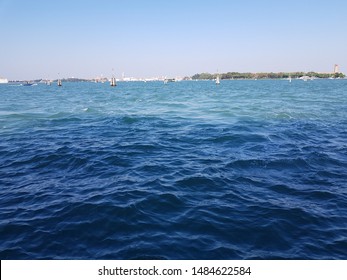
(170, 80)
(59, 83)
(27, 84)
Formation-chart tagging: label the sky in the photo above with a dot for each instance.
(149, 38)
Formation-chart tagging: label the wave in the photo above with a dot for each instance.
(108, 176)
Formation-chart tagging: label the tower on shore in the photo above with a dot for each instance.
(336, 69)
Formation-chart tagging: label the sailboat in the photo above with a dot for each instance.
(217, 80)
(290, 79)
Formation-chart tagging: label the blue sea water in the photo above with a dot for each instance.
(186, 170)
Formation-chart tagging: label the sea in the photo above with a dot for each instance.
(248, 169)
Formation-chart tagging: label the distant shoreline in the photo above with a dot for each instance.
(207, 76)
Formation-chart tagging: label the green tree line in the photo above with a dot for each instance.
(271, 75)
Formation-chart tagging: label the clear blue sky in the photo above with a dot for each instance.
(41, 38)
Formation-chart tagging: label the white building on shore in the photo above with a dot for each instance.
(336, 69)
(3, 80)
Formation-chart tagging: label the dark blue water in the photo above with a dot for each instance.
(187, 170)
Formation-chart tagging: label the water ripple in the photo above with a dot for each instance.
(250, 170)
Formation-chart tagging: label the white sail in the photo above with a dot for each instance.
(217, 80)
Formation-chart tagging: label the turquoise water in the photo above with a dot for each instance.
(186, 170)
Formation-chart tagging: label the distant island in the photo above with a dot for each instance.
(271, 75)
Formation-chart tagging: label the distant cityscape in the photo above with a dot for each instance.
(96, 80)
